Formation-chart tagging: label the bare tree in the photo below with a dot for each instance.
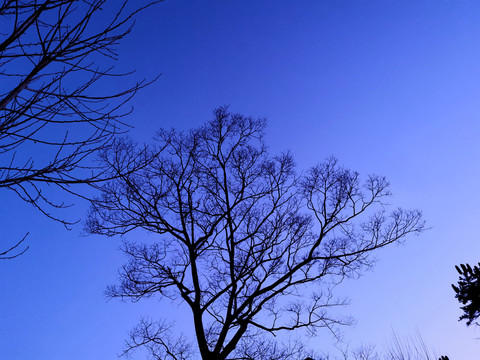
(252, 248)
(365, 352)
(54, 113)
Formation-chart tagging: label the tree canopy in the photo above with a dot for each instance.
(468, 292)
(249, 245)
(55, 112)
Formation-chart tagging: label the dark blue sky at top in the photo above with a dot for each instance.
(388, 87)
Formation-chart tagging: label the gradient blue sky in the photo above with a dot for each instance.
(388, 87)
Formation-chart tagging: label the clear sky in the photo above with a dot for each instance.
(388, 87)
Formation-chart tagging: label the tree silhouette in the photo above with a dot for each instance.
(251, 248)
(54, 111)
(468, 292)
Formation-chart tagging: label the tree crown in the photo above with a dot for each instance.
(241, 234)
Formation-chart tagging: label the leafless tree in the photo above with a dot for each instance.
(251, 248)
(54, 111)
(365, 352)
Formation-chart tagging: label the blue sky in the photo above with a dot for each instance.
(388, 87)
